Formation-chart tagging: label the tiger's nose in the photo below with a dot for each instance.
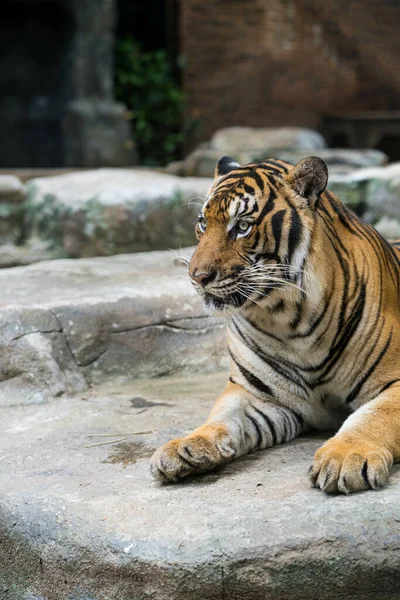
(203, 278)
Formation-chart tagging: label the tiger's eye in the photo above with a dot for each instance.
(243, 225)
(202, 223)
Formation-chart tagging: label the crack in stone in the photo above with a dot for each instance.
(18, 337)
(93, 360)
(69, 347)
(168, 325)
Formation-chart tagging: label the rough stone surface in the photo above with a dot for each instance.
(11, 189)
(11, 222)
(12, 195)
(111, 211)
(265, 140)
(65, 324)
(98, 134)
(201, 162)
(86, 523)
(13, 255)
(340, 159)
(372, 192)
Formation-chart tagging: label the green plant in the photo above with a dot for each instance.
(145, 84)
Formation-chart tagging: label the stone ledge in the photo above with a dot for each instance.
(112, 211)
(65, 324)
(88, 523)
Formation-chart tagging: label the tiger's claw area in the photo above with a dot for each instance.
(195, 453)
(344, 467)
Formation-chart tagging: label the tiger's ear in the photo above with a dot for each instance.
(224, 165)
(309, 179)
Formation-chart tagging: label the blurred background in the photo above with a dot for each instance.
(161, 88)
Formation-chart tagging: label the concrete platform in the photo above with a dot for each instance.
(88, 523)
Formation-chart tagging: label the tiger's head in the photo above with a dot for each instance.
(254, 230)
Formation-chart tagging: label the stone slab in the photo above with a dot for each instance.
(88, 523)
(112, 211)
(65, 324)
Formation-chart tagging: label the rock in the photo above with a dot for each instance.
(98, 134)
(11, 222)
(351, 190)
(88, 523)
(389, 228)
(12, 255)
(201, 162)
(111, 211)
(65, 324)
(11, 189)
(267, 141)
(340, 159)
(376, 191)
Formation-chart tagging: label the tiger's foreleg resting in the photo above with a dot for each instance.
(361, 454)
(238, 424)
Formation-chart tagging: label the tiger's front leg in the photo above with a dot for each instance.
(238, 424)
(361, 454)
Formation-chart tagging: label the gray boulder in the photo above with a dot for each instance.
(12, 195)
(110, 211)
(340, 160)
(373, 192)
(11, 189)
(246, 144)
(201, 162)
(267, 140)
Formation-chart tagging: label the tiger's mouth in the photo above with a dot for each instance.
(231, 300)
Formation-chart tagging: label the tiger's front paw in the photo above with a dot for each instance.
(203, 450)
(346, 466)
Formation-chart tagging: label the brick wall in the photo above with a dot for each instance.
(288, 62)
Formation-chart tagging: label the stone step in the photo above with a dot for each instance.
(84, 522)
(66, 324)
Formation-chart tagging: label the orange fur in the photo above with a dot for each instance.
(312, 296)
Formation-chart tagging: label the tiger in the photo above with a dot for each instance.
(310, 293)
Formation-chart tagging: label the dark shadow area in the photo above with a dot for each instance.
(144, 21)
(339, 140)
(390, 145)
(35, 56)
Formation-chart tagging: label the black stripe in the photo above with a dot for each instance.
(256, 427)
(297, 318)
(253, 380)
(372, 368)
(313, 326)
(385, 387)
(277, 225)
(274, 163)
(278, 307)
(283, 367)
(296, 228)
(256, 240)
(258, 179)
(270, 424)
(269, 205)
(248, 189)
(299, 418)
